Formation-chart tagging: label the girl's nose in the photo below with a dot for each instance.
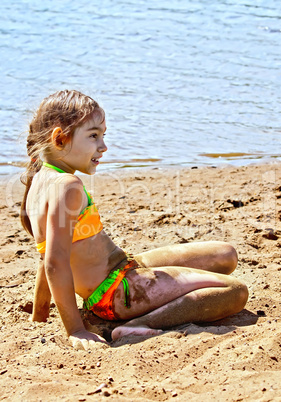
(102, 147)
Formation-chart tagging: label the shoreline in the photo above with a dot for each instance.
(238, 358)
(111, 166)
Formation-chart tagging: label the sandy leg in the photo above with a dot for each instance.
(202, 305)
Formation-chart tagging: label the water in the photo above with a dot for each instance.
(182, 82)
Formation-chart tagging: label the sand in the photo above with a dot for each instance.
(235, 359)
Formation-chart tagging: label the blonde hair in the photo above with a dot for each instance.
(65, 109)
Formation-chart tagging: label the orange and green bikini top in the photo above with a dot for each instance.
(88, 223)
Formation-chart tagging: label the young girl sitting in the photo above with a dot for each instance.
(151, 291)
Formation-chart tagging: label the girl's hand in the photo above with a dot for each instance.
(85, 340)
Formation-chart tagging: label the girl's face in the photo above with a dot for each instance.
(87, 146)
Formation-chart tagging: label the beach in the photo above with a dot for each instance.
(234, 359)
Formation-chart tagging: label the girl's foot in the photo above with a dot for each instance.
(125, 330)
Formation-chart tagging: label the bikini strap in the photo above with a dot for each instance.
(89, 197)
(53, 167)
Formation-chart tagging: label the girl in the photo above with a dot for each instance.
(157, 289)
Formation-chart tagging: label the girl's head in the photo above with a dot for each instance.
(54, 122)
(66, 110)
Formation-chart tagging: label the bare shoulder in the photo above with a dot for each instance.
(68, 189)
(53, 180)
(68, 179)
(68, 183)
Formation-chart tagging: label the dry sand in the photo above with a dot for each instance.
(235, 359)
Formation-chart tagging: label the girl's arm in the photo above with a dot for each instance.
(64, 207)
(42, 296)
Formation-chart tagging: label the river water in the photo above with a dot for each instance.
(183, 82)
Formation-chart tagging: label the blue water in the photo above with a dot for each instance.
(182, 82)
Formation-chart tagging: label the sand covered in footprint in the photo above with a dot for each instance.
(236, 359)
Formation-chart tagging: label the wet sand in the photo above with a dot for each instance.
(235, 359)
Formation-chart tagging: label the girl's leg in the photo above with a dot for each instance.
(202, 305)
(168, 296)
(213, 256)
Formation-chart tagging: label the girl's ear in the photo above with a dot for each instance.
(58, 138)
